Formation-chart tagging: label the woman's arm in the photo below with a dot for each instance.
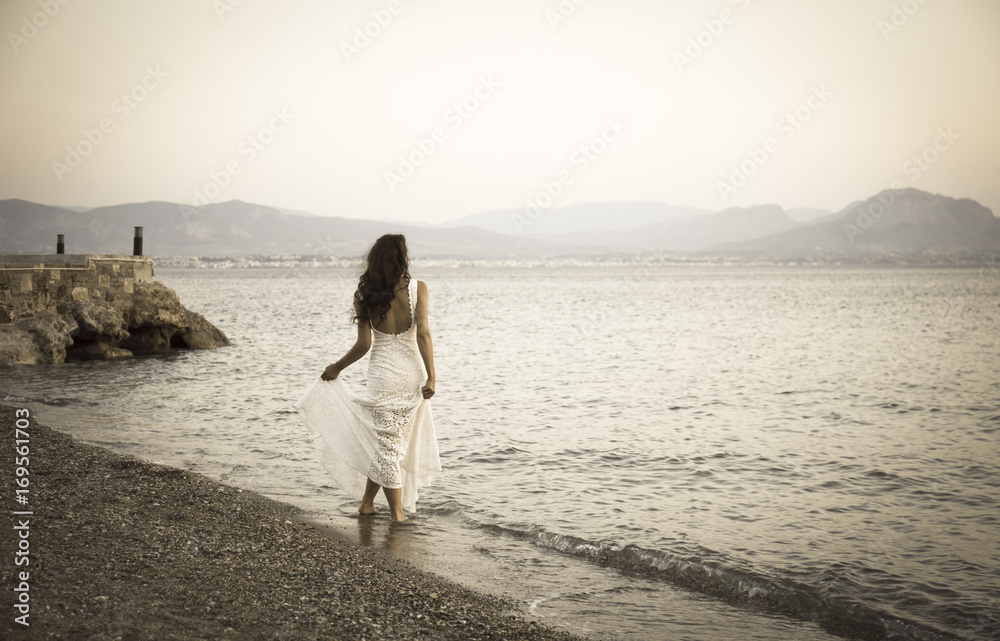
(361, 347)
(424, 338)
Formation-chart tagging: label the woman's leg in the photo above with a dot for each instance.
(395, 498)
(368, 500)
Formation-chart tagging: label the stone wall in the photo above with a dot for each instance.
(55, 282)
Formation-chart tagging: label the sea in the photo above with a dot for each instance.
(633, 450)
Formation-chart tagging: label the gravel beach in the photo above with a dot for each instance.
(125, 549)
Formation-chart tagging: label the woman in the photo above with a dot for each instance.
(386, 432)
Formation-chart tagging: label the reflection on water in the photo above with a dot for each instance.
(812, 446)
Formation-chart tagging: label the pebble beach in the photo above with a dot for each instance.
(121, 548)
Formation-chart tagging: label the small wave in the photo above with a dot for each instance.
(54, 401)
(714, 574)
(16, 400)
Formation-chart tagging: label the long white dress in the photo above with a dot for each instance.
(384, 432)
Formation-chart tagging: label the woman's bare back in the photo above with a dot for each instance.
(397, 320)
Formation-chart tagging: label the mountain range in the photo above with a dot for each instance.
(906, 223)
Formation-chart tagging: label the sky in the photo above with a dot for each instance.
(423, 111)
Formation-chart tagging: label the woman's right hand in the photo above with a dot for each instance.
(428, 390)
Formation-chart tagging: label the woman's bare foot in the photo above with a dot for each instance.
(368, 500)
(395, 498)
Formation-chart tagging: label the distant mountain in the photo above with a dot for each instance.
(588, 217)
(689, 233)
(907, 221)
(294, 212)
(392, 221)
(808, 214)
(238, 228)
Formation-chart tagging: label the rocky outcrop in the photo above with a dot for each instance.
(154, 321)
(158, 322)
(41, 337)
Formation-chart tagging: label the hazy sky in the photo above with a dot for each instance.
(311, 104)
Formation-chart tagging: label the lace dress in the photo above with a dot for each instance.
(384, 432)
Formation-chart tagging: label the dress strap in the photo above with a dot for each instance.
(413, 300)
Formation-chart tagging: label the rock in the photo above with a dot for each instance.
(155, 305)
(149, 340)
(17, 347)
(201, 334)
(153, 321)
(39, 338)
(51, 335)
(97, 352)
(98, 321)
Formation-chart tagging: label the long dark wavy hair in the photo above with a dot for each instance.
(388, 261)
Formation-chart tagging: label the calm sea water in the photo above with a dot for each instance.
(637, 452)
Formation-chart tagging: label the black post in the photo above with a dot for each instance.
(137, 242)
(60, 245)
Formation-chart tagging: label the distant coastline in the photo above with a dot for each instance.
(896, 226)
(991, 261)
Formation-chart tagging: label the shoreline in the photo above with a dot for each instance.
(124, 548)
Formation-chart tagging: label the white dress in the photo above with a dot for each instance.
(384, 432)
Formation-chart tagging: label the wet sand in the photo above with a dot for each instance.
(121, 548)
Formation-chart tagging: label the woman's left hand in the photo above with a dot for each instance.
(330, 373)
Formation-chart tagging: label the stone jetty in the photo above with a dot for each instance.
(55, 308)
